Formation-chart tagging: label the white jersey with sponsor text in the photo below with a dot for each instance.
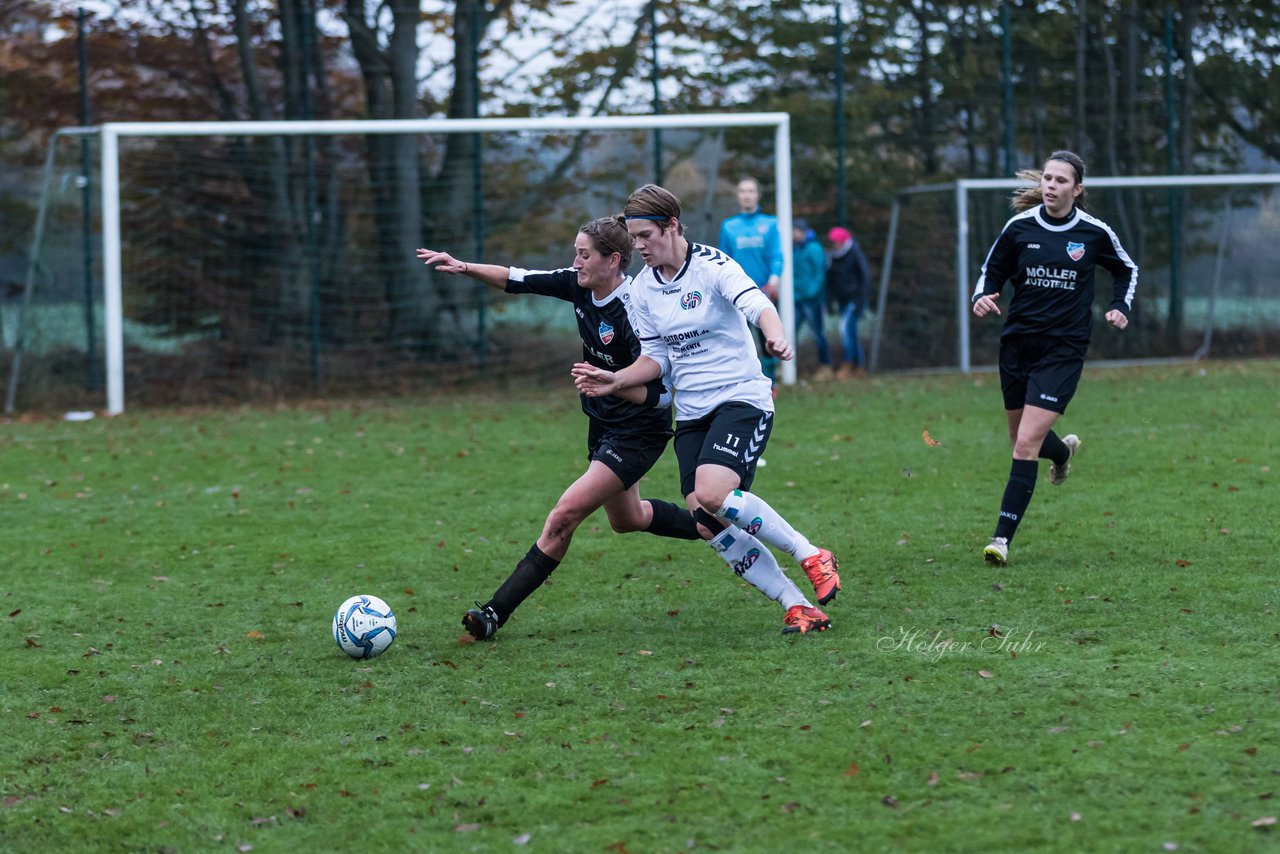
(696, 327)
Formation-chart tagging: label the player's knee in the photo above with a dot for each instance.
(710, 497)
(564, 519)
(1025, 450)
(626, 524)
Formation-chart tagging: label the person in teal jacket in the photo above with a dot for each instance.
(751, 238)
(809, 272)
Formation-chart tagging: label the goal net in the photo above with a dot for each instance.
(250, 261)
(1205, 248)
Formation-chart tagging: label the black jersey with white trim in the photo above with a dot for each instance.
(1050, 263)
(608, 341)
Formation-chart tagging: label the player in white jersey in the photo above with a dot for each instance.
(690, 308)
(625, 435)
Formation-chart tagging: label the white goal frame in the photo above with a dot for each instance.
(113, 132)
(965, 281)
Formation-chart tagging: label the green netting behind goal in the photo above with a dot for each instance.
(262, 267)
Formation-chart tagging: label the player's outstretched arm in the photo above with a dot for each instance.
(597, 382)
(493, 275)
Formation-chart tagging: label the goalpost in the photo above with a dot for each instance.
(115, 287)
(1210, 232)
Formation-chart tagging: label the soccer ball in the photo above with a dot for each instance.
(364, 626)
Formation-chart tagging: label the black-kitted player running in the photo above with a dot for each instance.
(627, 433)
(1048, 253)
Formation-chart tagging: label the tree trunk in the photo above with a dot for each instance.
(391, 92)
(1083, 148)
(925, 130)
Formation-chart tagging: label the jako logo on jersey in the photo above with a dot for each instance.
(1075, 251)
(755, 526)
(690, 300)
(606, 332)
(741, 566)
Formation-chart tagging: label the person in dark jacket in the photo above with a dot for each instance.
(848, 290)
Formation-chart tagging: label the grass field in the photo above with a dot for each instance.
(169, 682)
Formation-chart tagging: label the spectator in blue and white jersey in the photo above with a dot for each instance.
(751, 238)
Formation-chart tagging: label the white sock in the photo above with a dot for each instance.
(752, 514)
(752, 561)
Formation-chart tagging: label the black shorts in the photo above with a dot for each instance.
(733, 435)
(628, 455)
(1039, 371)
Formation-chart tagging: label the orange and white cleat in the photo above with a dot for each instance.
(821, 569)
(802, 619)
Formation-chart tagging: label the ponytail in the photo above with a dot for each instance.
(1025, 198)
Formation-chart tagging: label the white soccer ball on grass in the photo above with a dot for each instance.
(364, 626)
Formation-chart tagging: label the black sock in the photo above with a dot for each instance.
(1017, 495)
(706, 520)
(529, 574)
(672, 520)
(1054, 450)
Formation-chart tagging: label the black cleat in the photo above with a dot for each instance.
(481, 622)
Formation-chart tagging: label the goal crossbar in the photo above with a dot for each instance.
(113, 132)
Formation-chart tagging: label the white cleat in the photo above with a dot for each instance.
(998, 552)
(1056, 475)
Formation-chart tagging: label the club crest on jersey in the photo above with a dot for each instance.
(1075, 251)
(606, 332)
(690, 300)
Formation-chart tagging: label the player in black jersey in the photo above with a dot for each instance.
(1047, 252)
(628, 432)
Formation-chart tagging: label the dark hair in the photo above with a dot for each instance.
(1026, 198)
(609, 236)
(655, 203)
